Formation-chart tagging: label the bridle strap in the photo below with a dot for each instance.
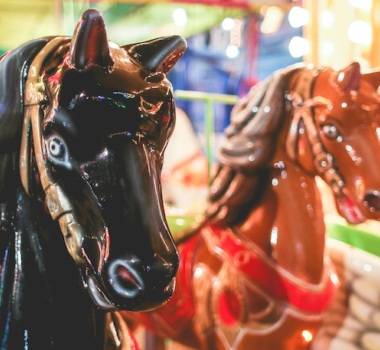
(303, 107)
(34, 94)
(57, 202)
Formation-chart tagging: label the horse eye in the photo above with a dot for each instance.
(56, 148)
(330, 131)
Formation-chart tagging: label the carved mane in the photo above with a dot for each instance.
(250, 143)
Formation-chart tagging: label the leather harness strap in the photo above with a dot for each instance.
(274, 280)
(303, 109)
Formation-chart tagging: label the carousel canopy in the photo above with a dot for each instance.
(127, 21)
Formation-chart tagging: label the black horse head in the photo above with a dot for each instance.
(97, 120)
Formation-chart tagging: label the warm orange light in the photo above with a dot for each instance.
(272, 20)
(307, 335)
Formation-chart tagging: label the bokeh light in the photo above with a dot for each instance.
(180, 17)
(299, 47)
(360, 32)
(298, 17)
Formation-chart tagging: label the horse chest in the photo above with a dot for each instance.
(236, 307)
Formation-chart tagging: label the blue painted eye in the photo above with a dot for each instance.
(56, 148)
(57, 151)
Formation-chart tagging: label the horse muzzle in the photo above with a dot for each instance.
(137, 286)
(127, 281)
(131, 286)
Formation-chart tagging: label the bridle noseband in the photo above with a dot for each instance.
(303, 109)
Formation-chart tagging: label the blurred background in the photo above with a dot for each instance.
(232, 43)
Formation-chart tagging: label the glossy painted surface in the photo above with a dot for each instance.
(257, 274)
(93, 123)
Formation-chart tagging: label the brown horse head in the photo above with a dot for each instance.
(338, 136)
(328, 123)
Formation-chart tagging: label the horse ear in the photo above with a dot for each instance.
(89, 45)
(373, 77)
(157, 55)
(348, 79)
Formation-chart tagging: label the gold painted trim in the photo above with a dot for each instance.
(56, 200)
(32, 118)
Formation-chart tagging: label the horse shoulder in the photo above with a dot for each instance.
(14, 67)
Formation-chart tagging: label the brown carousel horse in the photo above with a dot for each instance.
(256, 275)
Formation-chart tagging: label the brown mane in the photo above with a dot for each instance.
(249, 145)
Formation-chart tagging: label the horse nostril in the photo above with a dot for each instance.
(125, 278)
(372, 200)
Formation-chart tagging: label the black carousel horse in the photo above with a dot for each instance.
(83, 128)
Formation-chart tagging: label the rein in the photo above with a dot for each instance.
(303, 106)
(56, 200)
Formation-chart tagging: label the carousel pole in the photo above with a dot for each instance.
(58, 14)
(375, 52)
(210, 136)
(209, 100)
(311, 31)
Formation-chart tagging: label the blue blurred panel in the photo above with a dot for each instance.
(274, 52)
(203, 71)
(205, 67)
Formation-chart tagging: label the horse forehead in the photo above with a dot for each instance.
(126, 77)
(356, 108)
(365, 99)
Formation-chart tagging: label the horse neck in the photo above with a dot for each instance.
(287, 223)
(40, 281)
(298, 222)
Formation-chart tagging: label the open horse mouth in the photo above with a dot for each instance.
(95, 292)
(372, 201)
(349, 210)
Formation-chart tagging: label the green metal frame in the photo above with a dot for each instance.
(209, 100)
